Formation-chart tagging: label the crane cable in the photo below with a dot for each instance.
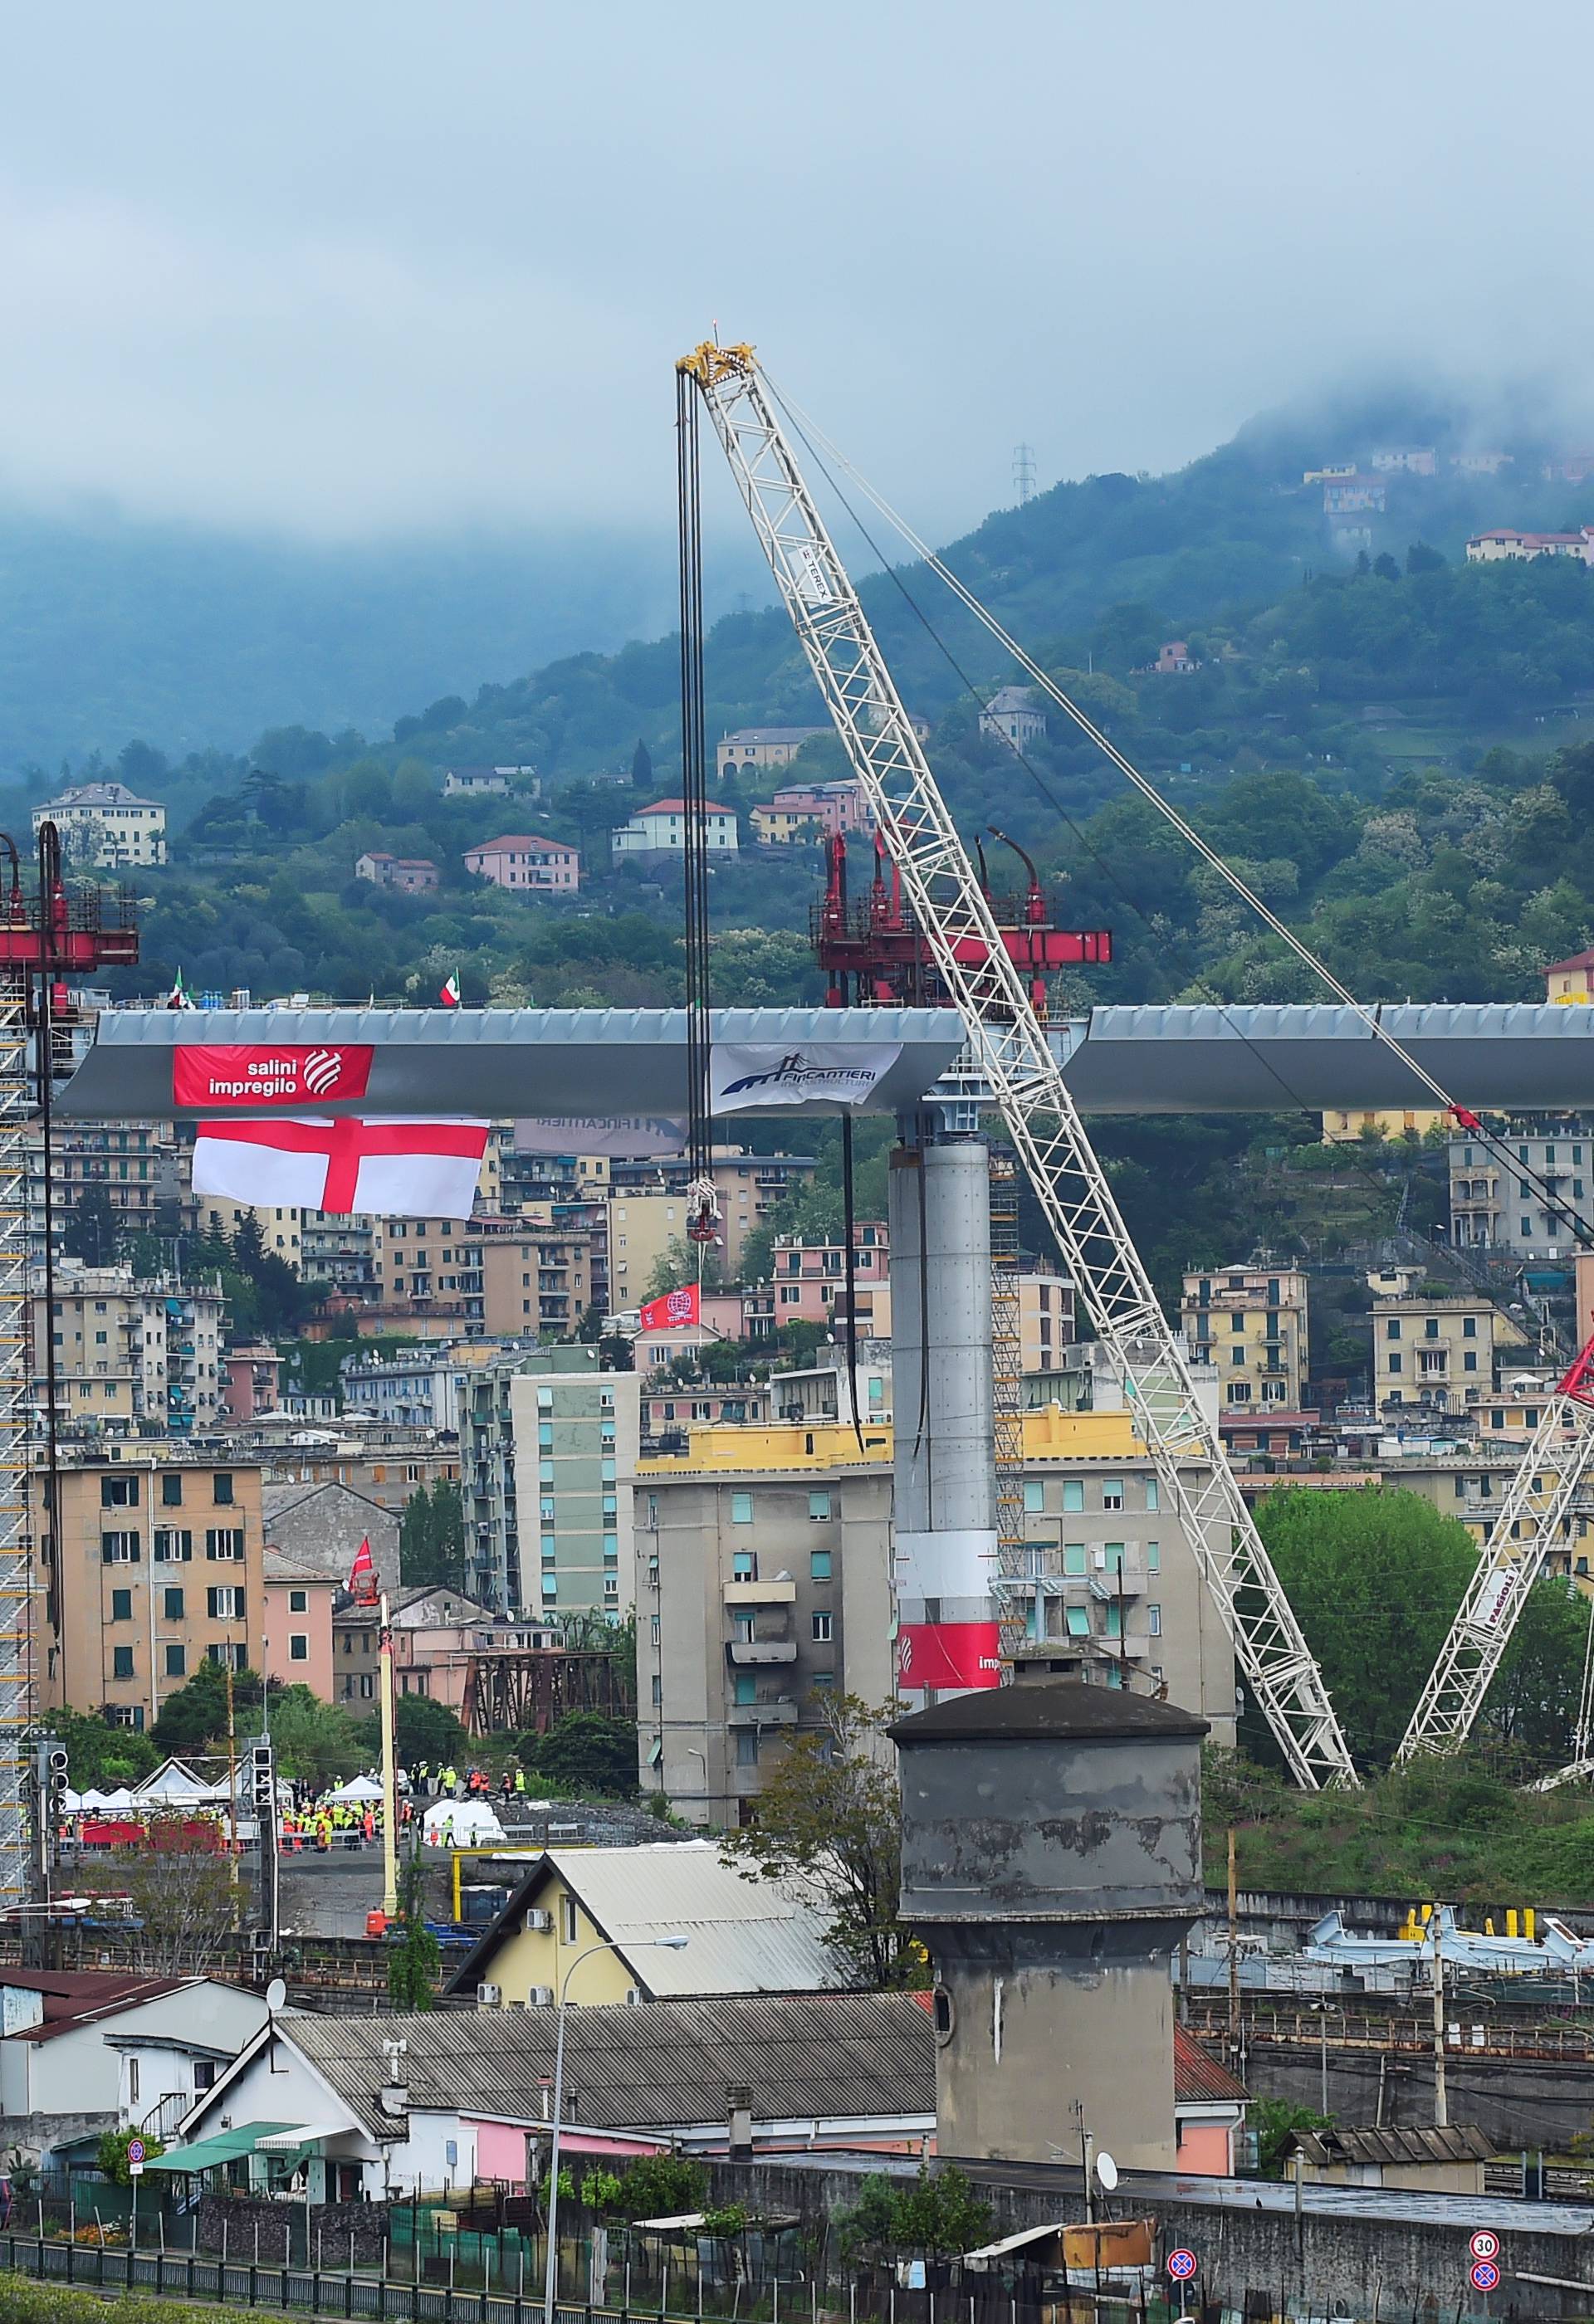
(1522, 1172)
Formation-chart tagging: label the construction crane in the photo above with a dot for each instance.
(1534, 1523)
(1015, 1063)
(57, 930)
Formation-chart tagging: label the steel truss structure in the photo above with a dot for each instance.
(16, 1560)
(1534, 1523)
(1012, 1057)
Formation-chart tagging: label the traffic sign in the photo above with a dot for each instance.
(1485, 2245)
(135, 2171)
(1485, 2274)
(135, 2151)
(1181, 2264)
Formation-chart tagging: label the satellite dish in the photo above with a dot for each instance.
(276, 1997)
(1107, 2170)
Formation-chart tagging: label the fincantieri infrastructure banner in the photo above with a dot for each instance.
(542, 1064)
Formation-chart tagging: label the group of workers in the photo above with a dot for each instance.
(428, 1782)
(323, 1824)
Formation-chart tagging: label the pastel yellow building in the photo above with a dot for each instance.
(615, 1905)
(1342, 1127)
(1251, 1322)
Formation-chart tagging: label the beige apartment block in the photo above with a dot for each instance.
(641, 1230)
(1437, 1354)
(160, 1568)
(763, 1580)
(281, 1226)
(1250, 1321)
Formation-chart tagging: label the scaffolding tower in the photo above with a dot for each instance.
(1007, 1404)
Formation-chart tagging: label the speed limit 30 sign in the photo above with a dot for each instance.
(1485, 2245)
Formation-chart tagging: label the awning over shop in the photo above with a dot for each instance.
(225, 2146)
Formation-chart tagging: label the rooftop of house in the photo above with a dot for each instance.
(1455, 2144)
(77, 1996)
(292, 1570)
(97, 795)
(678, 807)
(1009, 697)
(743, 1936)
(1584, 959)
(775, 733)
(1042, 1707)
(530, 841)
(833, 2055)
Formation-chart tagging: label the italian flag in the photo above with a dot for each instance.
(407, 1164)
(450, 994)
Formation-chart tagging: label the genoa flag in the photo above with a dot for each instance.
(406, 1164)
(363, 1569)
(675, 1307)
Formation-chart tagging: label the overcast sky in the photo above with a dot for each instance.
(347, 267)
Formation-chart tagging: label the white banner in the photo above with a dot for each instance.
(744, 1076)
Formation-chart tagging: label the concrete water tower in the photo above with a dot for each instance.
(1051, 1862)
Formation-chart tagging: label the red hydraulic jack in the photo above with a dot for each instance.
(874, 951)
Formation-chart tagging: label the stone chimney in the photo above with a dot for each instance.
(738, 2111)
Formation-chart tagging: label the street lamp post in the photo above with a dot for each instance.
(645, 1944)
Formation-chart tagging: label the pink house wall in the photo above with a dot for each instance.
(315, 1624)
(1205, 2150)
(501, 2147)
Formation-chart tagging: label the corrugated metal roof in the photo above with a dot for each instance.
(1453, 2143)
(1198, 2074)
(743, 1936)
(651, 2067)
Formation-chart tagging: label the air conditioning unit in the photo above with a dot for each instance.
(543, 1994)
(1098, 1560)
(488, 1997)
(539, 1922)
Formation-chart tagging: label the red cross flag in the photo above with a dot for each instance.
(682, 1306)
(407, 1163)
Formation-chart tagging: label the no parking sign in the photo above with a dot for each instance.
(1181, 2264)
(1484, 2275)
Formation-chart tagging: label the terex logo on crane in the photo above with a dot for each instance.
(206, 1074)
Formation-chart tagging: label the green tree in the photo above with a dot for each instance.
(588, 1754)
(90, 1230)
(196, 1715)
(830, 1824)
(431, 1539)
(315, 1742)
(111, 2155)
(1275, 2122)
(1375, 1577)
(414, 1959)
(642, 767)
(101, 1757)
(681, 1263)
(423, 1730)
(936, 2215)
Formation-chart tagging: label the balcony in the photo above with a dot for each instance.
(759, 1593)
(748, 1652)
(780, 1711)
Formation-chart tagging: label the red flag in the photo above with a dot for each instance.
(402, 1164)
(363, 1569)
(1468, 1120)
(675, 1307)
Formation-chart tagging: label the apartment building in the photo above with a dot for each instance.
(810, 1276)
(130, 1356)
(547, 1439)
(642, 1227)
(536, 1276)
(337, 1250)
(159, 1567)
(763, 1579)
(281, 1225)
(422, 1390)
(808, 811)
(1251, 1322)
(297, 1645)
(1438, 1353)
(527, 862)
(134, 1164)
(751, 1187)
(1491, 1208)
(105, 826)
(1046, 1327)
(755, 750)
(661, 830)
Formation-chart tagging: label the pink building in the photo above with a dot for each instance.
(253, 1377)
(521, 860)
(810, 810)
(298, 1649)
(811, 1277)
(1174, 659)
(413, 875)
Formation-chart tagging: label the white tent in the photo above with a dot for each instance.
(118, 1799)
(460, 1823)
(359, 1790)
(177, 1785)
